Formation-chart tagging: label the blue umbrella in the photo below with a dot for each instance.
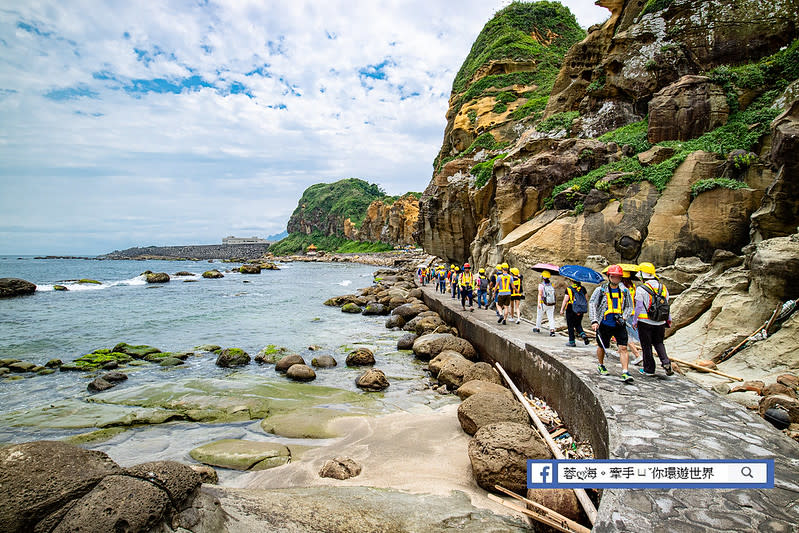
(581, 274)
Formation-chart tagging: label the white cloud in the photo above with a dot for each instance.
(229, 148)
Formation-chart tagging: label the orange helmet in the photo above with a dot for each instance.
(615, 270)
(467, 265)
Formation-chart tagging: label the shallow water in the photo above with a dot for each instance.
(245, 311)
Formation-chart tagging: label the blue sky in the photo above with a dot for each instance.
(181, 122)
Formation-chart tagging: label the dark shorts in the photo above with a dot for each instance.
(519, 297)
(606, 332)
(503, 299)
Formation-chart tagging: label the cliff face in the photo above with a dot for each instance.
(654, 143)
(356, 210)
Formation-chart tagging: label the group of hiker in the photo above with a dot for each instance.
(616, 309)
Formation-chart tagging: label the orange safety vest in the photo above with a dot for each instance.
(504, 281)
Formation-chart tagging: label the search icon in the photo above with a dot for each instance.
(747, 472)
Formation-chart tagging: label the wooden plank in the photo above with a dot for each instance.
(582, 497)
(567, 522)
(539, 516)
(703, 369)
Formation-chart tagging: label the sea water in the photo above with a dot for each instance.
(281, 307)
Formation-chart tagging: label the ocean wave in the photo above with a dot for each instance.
(74, 286)
(345, 283)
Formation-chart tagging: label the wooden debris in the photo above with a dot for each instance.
(703, 369)
(542, 514)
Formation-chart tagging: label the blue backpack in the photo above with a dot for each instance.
(580, 304)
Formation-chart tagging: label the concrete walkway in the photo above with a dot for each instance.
(652, 418)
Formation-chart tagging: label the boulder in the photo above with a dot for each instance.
(301, 372)
(250, 269)
(60, 288)
(786, 402)
(484, 372)
(475, 386)
(789, 380)
(424, 325)
(22, 366)
(774, 268)
(139, 351)
(375, 309)
(351, 308)
(395, 321)
(562, 501)
(99, 385)
(499, 452)
(488, 407)
(361, 357)
(230, 357)
(406, 341)
(410, 310)
(157, 277)
(42, 476)
(179, 480)
(213, 274)
(242, 454)
(171, 361)
(15, 287)
(437, 362)
(288, 361)
(271, 354)
(184, 274)
(452, 371)
(207, 474)
(686, 109)
(428, 346)
(373, 379)
(340, 468)
(338, 301)
(114, 377)
(324, 361)
(415, 293)
(655, 155)
(207, 348)
(778, 388)
(53, 363)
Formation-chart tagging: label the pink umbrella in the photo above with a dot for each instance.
(549, 267)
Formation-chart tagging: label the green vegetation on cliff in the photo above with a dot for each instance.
(347, 198)
(299, 242)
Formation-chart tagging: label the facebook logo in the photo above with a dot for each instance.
(540, 473)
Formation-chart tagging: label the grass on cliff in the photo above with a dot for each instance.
(299, 242)
(715, 183)
(347, 198)
(742, 132)
(482, 171)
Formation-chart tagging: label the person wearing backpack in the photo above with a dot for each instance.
(546, 304)
(652, 316)
(575, 305)
(610, 305)
(482, 289)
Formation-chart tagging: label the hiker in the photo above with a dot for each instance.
(504, 282)
(516, 295)
(575, 305)
(492, 283)
(651, 317)
(546, 304)
(609, 306)
(442, 280)
(466, 283)
(456, 274)
(482, 289)
(632, 335)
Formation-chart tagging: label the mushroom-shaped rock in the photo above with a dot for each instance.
(499, 453)
(488, 407)
(373, 379)
(428, 346)
(301, 373)
(288, 361)
(340, 468)
(361, 357)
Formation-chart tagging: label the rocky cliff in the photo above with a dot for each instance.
(655, 142)
(355, 210)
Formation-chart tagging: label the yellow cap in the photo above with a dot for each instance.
(514, 271)
(482, 271)
(505, 266)
(457, 269)
(498, 267)
(545, 274)
(451, 266)
(647, 268)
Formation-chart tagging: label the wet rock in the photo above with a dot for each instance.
(340, 468)
(428, 346)
(99, 385)
(351, 308)
(250, 269)
(38, 477)
(271, 354)
(303, 423)
(213, 274)
(170, 361)
(301, 372)
(361, 357)
(53, 363)
(395, 321)
(114, 377)
(373, 380)
(157, 277)
(406, 341)
(338, 301)
(288, 361)
(778, 388)
(324, 361)
(484, 372)
(488, 407)
(60, 288)
(207, 348)
(207, 474)
(410, 310)
(4, 371)
(22, 366)
(452, 371)
(230, 357)
(475, 386)
(139, 351)
(437, 362)
(375, 309)
(10, 287)
(184, 274)
(242, 454)
(179, 480)
(499, 453)
(786, 402)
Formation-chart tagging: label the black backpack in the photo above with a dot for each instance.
(659, 308)
(580, 304)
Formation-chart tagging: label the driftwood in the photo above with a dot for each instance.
(582, 497)
(720, 358)
(703, 369)
(540, 513)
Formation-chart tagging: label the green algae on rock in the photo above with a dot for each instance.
(306, 423)
(242, 454)
(95, 360)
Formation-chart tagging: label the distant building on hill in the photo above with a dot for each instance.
(311, 250)
(244, 240)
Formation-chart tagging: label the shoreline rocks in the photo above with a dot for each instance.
(11, 287)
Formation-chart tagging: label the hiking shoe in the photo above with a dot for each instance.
(500, 320)
(504, 322)
(586, 340)
(626, 377)
(518, 320)
(637, 360)
(552, 333)
(602, 370)
(536, 330)
(645, 373)
(669, 371)
(571, 344)
(471, 309)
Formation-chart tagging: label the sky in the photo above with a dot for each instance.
(181, 122)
